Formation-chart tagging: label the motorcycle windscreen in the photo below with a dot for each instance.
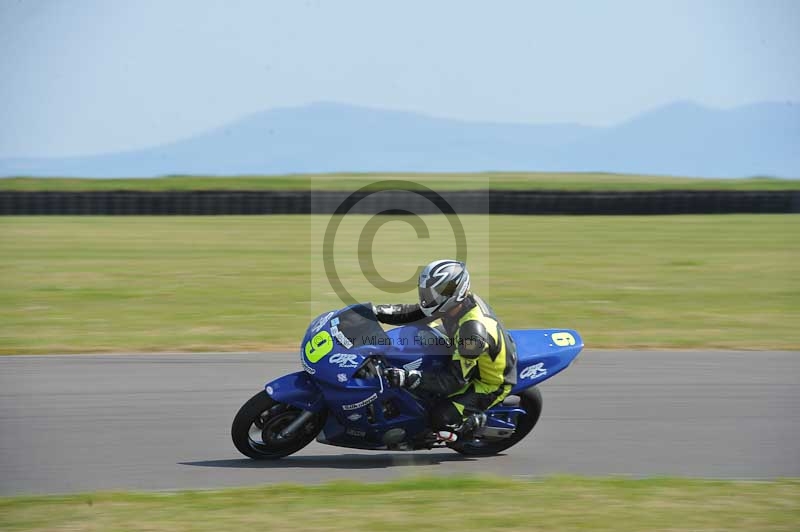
(336, 344)
(542, 353)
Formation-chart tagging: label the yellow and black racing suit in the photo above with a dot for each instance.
(483, 368)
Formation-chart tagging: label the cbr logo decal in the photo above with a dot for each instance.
(344, 360)
(533, 372)
(360, 404)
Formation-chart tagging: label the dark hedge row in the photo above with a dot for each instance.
(461, 202)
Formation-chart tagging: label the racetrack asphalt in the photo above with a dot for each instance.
(79, 423)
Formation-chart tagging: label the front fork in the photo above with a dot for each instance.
(296, 425)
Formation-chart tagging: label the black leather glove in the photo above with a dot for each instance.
(400, 378)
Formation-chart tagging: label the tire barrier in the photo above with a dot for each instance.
(211, 202)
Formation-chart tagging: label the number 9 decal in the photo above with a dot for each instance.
(319, 346)
(563, 339)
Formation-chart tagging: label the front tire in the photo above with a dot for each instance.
(531, 402)
(256, 427)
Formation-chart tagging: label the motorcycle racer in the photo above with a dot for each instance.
(483, 367)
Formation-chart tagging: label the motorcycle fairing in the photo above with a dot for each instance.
(542, 353)
(358, 407)
(296, 389)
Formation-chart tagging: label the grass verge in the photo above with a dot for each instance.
(453, 503)
(81, 284)
(495, 180)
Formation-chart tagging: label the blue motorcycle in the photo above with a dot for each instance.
(342, 398)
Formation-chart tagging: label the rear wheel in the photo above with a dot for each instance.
(531, 402)
(256, 428)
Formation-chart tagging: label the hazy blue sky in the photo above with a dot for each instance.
(79, 77)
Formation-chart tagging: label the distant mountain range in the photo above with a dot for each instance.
(679, 139)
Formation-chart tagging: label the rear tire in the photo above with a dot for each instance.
(256, 427)
(531, 401)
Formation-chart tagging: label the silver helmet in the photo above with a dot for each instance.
(443, 284)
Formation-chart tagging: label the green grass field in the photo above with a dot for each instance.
(88, 284)
(494, 180)
(458, 503)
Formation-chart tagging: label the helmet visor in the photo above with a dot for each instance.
(434, 297)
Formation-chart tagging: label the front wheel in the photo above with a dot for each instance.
(256, 428)
(531, 402)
